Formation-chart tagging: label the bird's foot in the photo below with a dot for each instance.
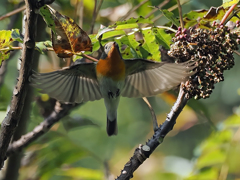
(110, 94)
(117, 93)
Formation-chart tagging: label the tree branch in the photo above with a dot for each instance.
(18, 10)
(11, 121)
(144, 151)
(60, 110)
(133, 9)
(95, 13)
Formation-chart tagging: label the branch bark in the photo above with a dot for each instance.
(13, 165)
(144, 151)
(60, 110)
(11, 121)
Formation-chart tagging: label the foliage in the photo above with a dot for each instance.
(78, 148)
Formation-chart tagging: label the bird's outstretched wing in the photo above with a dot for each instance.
(148, 78)
(75, 84)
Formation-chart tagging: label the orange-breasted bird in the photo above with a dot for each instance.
(109, 78)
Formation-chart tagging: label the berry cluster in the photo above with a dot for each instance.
(211, 49)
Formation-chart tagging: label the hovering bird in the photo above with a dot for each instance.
(110, 78)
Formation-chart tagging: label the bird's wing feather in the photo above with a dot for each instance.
(77, 83)
(148, 78)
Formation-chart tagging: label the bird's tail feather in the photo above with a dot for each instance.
(112, 127)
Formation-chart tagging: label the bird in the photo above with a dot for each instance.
(110, 78)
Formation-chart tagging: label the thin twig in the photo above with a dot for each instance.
(95, 13)
(144, 151)
(13, 12)
(230, 10)
(160, 15)
(50, 49)
(80, 12)
(157, 8)
(60, 110)
(10, 122)
(238, 53)
(88, 57)
(169, 9)
(154, 118)
(133, 9)
(180, 14)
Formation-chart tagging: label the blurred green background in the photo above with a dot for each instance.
(204, 143)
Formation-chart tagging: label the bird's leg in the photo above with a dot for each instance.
(110, 94)
(117, 93)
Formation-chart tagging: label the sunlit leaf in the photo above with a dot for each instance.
(162, 37)
(6, 39)
(67, 37)
(118, 27)
(130, 23)
(114, 33)
(152, 44)
(227, 3)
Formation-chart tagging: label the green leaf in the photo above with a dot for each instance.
(162, 37)
(48, 18)
(171, 17)
(152, 44)
(204, 174)
(132, 51)
(42, 46)
(130, 23)
(7, 37)
(228, 3)
(114, 33)
(117, 28)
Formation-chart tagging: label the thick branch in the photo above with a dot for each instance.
(144, 151)
(59, 112)
(11, 120)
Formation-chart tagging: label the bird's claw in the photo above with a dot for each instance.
(117, 93)
(111, 95)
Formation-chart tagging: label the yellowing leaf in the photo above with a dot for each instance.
(67, 37)
(228, 3)
(6, 38)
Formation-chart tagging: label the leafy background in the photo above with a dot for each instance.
(204, 144)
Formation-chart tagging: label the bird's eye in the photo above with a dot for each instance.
(106, 47)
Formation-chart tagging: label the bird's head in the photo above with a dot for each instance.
(111, 50)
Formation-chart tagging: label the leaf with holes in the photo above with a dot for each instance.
(152, 44)
(6, 39)
(67, 37)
